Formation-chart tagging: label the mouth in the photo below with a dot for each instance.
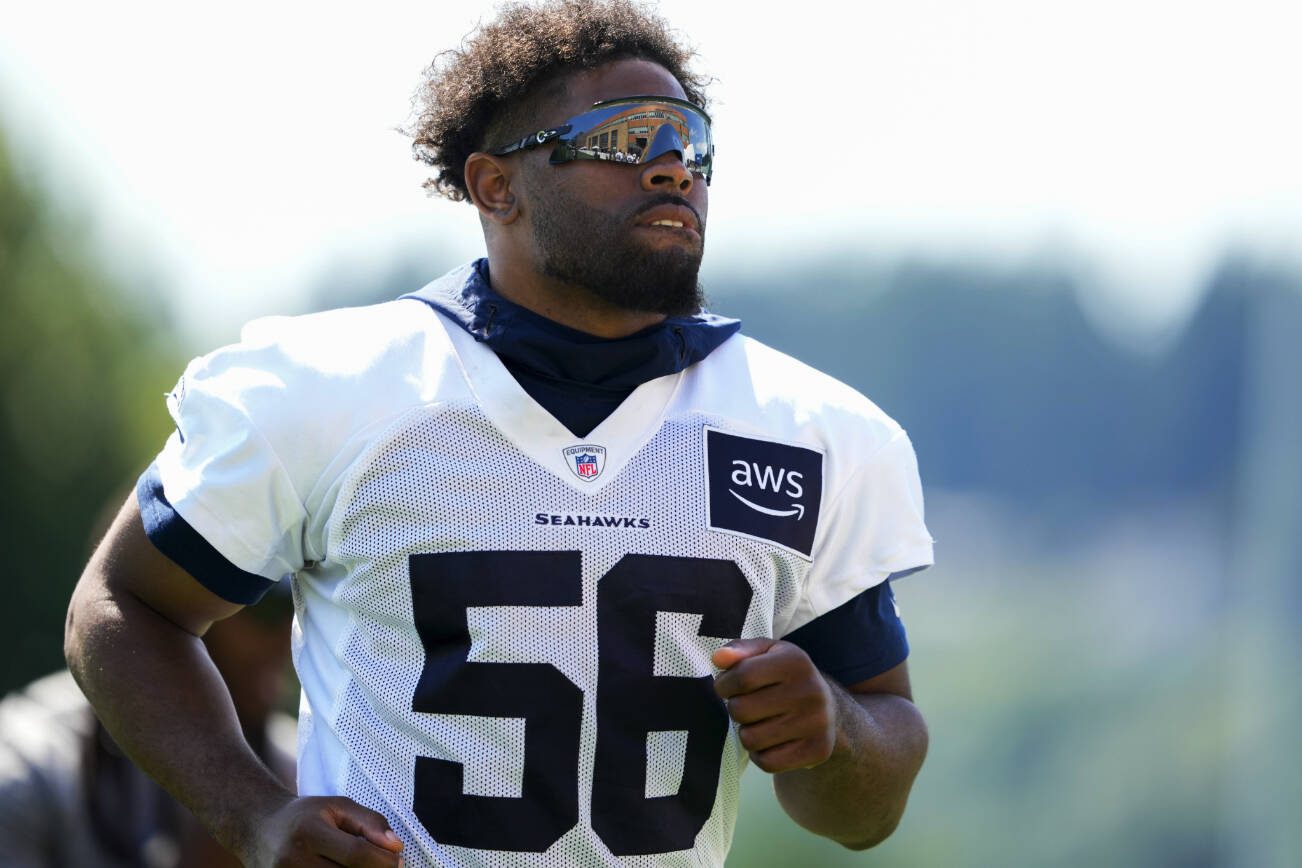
(673, 233)
(675, 219)
(673, 223)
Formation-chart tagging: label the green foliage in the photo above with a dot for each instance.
(82, 368)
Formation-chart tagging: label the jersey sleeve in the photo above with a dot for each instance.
(858, 639)
(874, 530)
(218, 499)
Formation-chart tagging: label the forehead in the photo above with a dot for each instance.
(619, 78)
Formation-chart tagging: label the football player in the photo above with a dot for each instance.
(566, 550)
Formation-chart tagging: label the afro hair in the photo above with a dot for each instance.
(478, 95)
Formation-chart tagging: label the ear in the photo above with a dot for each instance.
(488, 180)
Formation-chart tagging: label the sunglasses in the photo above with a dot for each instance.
(631, 130)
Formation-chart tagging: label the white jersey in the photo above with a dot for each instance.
(503, 631)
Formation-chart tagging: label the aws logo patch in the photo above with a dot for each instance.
(764, 489)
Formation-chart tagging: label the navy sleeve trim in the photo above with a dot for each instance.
(859, 639)
(182, 544)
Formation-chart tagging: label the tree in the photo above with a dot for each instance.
(83, 365)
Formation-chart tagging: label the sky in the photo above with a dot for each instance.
(237, 155)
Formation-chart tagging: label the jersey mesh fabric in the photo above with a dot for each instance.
(443, 479)
(510, 661)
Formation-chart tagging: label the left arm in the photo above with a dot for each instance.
(843, 759)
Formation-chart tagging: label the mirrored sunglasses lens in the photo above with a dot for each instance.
(638, 133)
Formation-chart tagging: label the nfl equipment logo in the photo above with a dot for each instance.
(586, 461)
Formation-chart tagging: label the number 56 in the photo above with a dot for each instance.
(631, 700)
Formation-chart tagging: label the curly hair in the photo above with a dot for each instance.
(479, 95)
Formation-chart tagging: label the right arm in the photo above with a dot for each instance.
(133, 643)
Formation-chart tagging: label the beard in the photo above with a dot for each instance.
(597, 253)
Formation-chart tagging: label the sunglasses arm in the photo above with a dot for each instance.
(532, 140)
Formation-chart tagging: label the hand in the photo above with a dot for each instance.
(325, 830)
(787, 710)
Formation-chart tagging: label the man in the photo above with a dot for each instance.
(71, 798)
(530, 512)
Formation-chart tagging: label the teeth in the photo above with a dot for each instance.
(677, 224)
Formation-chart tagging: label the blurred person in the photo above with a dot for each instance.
(569, 549)
(71, 798)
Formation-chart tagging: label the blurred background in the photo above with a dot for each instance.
(1058, 242)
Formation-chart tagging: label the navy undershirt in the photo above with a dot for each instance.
(577, 377)
(580, 379)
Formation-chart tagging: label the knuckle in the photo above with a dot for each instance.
(355, 852)
(299, 836)
(814, 709)
(786, 654)
(738, 709)
(782, 648)
(770, 761)
(819, 719)
(745, 680)
(794, 756)
(801, 752)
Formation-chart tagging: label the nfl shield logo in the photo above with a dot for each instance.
(586, 460)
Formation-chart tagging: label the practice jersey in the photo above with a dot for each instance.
(503, 631)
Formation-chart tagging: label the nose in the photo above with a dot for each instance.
(667, 172)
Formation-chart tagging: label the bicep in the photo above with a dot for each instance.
(127, 563)
(888, 698)
(893, 681)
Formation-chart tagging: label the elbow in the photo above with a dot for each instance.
(73, 644)
(85, 627)
(886, 820)
(876, 836)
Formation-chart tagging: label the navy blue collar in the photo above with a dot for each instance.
(564, 355)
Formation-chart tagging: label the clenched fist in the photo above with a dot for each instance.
(325, 830)
(787, 710)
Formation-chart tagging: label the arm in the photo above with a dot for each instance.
(132, 643)
(843, 760)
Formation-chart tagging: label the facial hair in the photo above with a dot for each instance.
(599, 253)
